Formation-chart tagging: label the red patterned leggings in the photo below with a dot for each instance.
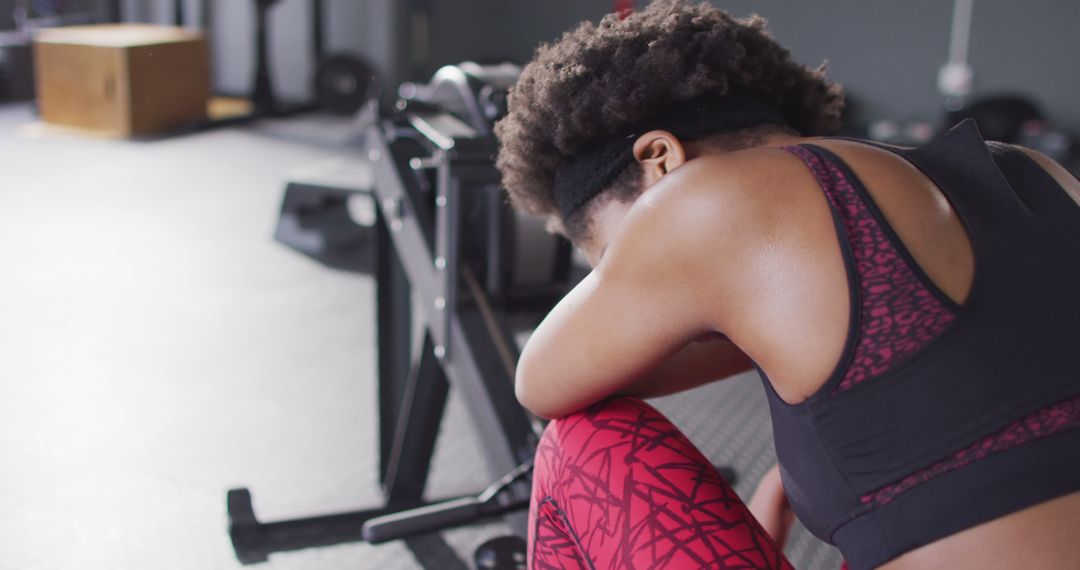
(618, 486)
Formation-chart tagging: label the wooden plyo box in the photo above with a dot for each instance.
(122, 79)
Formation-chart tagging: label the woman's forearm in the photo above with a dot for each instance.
(697, 364)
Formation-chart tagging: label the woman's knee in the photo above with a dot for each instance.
(568, 439)
(601, 415)
(616, 408)
(624, 428)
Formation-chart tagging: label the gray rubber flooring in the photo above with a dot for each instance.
(158, 348)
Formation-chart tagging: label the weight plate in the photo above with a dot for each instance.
(343, 84)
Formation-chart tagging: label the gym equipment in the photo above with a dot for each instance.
(956, 77)
(1000, 118)
(17, 29)
(343, 84)
(31, 15)
(263, 95)
(474, 93)
(444, 235)
(504, 552)
(495, 500)
(315, 217)
(16, 72)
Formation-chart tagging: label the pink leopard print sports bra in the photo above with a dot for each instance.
(936, 412)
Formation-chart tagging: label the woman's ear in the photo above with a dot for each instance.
(658, 152)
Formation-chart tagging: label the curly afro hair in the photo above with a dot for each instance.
(599, 78)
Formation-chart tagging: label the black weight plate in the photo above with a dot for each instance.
(502, 553)
(343, 83)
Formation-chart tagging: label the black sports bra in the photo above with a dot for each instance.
(940, 417)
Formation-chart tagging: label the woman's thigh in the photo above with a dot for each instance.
(618, 486)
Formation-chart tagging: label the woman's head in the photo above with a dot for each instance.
(578, 114)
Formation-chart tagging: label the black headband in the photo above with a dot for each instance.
(579, 178)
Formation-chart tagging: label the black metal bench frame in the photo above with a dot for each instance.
(431, 172)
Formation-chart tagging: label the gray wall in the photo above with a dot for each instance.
(1033, 50)
(885, 53)
(463, 30)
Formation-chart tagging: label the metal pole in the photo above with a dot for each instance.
(116, 13)
(263, 95)
(317, 31)
(956, 77)
(960, 36)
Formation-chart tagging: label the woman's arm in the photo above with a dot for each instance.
(608, 332)
(630, 326)
(696, 364)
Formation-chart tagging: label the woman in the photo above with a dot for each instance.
(913, 313)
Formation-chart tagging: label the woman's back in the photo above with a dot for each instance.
(815, 257)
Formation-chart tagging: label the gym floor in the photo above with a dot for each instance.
(157, 348)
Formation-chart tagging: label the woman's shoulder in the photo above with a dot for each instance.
(743, 191)
(744, 205)
(750, 232)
